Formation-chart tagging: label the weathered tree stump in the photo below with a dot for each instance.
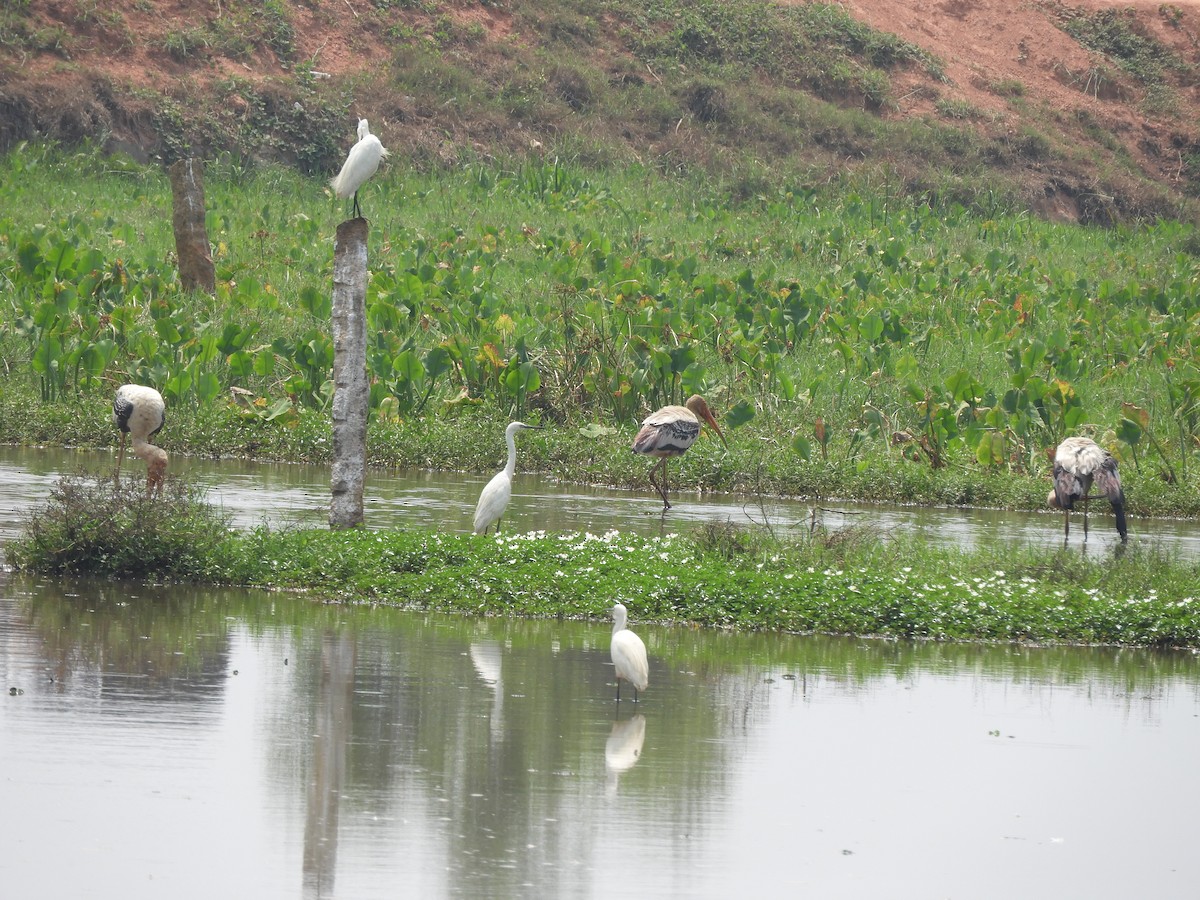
(351, 393)
(196, 271)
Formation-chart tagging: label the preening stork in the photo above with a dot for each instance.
(1078, 464)
(360, 164)
(139, 412)
(498, 492)
(670, 432)
(628, 654)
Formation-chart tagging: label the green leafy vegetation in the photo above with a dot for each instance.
(865, 345)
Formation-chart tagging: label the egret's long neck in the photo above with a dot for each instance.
(511, 468)
(618, 623)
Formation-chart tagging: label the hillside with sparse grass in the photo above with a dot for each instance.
(1083, 112)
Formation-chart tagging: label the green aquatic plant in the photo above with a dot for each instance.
(94, 526)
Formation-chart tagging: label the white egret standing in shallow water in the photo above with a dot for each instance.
(139, 412)
(628, 654)
(360, 165)
(496, 495)
(669, 432)
(1078, 462)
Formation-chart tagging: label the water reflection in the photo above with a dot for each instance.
(298, 494)
(362, 752)
(335, 692)
(623, 748)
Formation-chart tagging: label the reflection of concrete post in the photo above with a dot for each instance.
(334, 696)
(351, 393)
(196, 271)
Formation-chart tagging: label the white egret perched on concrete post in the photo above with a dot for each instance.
(669, 433)
(139, 412)
(628, 654)
(360, 164)
(1078, 464)
(498, 492)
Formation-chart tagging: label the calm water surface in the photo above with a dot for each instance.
(182, 743)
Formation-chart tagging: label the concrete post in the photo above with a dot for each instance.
(196, 270)
(351, 393)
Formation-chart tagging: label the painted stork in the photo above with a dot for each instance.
(360, 164)
(498, 492)
(139, 412)
(628, 654)
(669, 433)
(1078, 464)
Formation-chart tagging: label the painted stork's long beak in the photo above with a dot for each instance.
(708, 417)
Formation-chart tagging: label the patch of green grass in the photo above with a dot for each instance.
(831, 583)
(1119, 35)
(1007, 87)
(97, 527)
(957, 109)
(184, 43)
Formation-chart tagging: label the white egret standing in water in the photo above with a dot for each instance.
(628, 655)
(498, 492)
(360, 164)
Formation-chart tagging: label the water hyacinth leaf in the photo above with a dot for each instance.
(785, 387)
(208, 386)
(167, 331)
(318, 303)
(962, 387)
(682, 358)
(264, 362)
(990, 449)
(178, 385)
(692, 380)
(1129, 431)
(820, 431)
(802, 446)
(407, 367)
(241, 364)
(62, 257)
(739, 415)
(96, 357)
(870, 328)
(234, 337)
(437, 363)
(277, 409)
(595, 430)
(1136, 414)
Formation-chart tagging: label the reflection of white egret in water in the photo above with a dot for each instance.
(485, 657)
(623, 748)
